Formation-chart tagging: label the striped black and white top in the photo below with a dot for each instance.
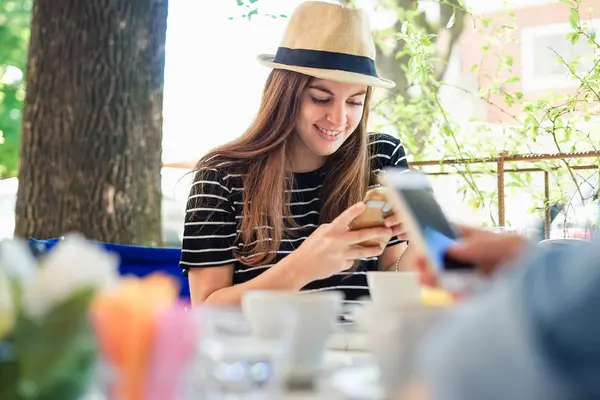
(211, 222)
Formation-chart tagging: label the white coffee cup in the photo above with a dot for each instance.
(398, 288)
(315, 316)
(395, 334)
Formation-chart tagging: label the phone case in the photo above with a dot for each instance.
(378, 207)
(421, 236)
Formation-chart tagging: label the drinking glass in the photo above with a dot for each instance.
(233, 363)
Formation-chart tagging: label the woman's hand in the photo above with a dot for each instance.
(394, 222)
(333, 247)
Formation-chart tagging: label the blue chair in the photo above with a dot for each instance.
(135, 260)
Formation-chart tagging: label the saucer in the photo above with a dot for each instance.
(358, 382)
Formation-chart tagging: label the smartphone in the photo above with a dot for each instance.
(378, 207)
(426, 223)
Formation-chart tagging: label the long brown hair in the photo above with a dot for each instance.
(263, 156)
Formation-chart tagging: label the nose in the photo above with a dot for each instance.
(337, 114)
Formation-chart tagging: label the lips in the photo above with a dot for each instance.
(327, 134)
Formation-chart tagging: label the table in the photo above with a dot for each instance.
(334, 361)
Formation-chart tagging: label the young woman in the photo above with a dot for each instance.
(271, 209)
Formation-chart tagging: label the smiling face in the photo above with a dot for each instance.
(329, 113)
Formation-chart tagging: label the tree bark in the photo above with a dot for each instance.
(92, 124)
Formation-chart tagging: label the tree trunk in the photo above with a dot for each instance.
(92, 124)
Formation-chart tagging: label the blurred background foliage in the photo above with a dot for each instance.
(15, 17)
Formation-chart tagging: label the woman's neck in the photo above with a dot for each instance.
(306, 165)
(304, 160)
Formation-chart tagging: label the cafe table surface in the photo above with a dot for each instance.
(335, 361)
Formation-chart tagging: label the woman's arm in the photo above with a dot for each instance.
(331, 248)
(388, 259)
(213, 285)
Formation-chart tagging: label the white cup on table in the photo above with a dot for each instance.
(315, 319)
(395, 322)
(394, 287)
(394, 333)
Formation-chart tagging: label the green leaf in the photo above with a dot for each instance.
(446, 130)
(512, 79)
(252, 13)
(568, 133)
(569, 2)
(9, 371)
(572, 37)
(592, 38)
(15, 17)
(57, 354)
(574, 18)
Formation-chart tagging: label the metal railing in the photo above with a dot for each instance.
(501, 162)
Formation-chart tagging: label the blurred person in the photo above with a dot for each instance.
(533, 335)
(271, 209)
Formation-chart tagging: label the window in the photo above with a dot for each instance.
(540, 47)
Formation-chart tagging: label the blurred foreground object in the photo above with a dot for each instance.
(47, 345)
(69, 317)
(533, 336)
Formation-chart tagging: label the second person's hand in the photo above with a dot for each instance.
(487, 250)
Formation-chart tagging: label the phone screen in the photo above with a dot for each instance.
(437, 231)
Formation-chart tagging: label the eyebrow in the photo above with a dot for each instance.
(324, 89)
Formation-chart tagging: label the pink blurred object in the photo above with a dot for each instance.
(172, 353)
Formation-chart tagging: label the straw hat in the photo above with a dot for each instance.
(328, 41)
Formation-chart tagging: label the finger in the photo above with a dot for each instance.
(344, 219)
(361, 235)
(427, 277)
(399, 232)
(462, 251)
(466, 231)
(358, 252)
(420, 263)
(482, 254)
(392, 220)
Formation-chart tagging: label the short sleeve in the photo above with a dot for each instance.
(210, 228)
(398, 156)
(387, 152)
